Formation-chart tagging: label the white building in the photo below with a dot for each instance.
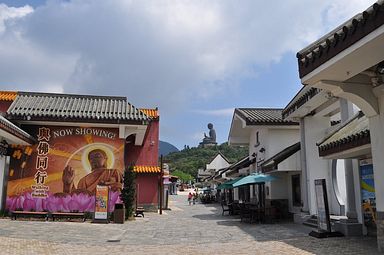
(348, 63)
(321, 116)
(274, 149)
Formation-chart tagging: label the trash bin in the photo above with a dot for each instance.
(119, 214)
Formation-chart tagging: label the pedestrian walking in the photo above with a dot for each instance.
(194, 198)
(190, 198)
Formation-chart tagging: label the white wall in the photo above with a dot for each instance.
(217, 163)
(254, 148)
(317, 168)
(279, 139)
(292, 163)
(236, 194)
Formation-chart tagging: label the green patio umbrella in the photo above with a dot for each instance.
(228, 184)
(253, 178)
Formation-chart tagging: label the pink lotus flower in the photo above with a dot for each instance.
(82, 202)
(59, 202)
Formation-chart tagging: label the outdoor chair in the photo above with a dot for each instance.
(225, 208)
(245, 212)
(235, 209)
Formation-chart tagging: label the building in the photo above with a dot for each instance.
(79, 142)
(273, 149)
(219, 161)
(348, 63)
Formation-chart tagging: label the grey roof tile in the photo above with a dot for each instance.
(340, 38)
(351, 134)
(66, 107)
(263, 116)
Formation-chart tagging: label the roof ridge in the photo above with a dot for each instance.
(261, 108)
(47, 94)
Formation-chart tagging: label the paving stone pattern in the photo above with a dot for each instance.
(195, 229)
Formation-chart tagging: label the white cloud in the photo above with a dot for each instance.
(157, 53)
(7, 14)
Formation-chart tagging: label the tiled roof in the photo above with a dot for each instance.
(11, 128)
(7, 95)
(272, 163)
(146, 169)
(65, 107)
(303, 96)
(152, 113)
(340, 38)
(351, 134)
(263, 116)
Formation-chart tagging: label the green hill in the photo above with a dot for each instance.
(189, 160)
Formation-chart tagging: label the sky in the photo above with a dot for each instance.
(194, 60)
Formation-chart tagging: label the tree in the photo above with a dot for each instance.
(191, 159)
(128, 192)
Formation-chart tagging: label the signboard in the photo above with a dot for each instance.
(61, 171)
(368, 196)
(323, 220)
(101, 202)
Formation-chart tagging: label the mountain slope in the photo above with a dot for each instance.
(190, 160)
(165, 148)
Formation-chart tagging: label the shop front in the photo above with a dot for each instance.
(81, 143)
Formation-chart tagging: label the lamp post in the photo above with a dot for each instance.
(161, 185)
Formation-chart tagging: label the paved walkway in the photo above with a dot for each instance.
(197, 229)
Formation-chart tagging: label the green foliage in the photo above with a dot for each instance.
(189, 160)
(128, 192)
(184, 177)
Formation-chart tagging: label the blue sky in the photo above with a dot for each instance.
(195, 60)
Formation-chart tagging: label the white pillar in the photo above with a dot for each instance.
(317, 168)
(304, 178)
(346, 111)
(376, 126)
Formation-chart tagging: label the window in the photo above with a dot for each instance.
(257, 139)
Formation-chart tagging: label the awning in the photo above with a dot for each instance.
(352, 134)
(271, 163)
(228, 184)
(14, 134)
(254, 178)
(244, 162)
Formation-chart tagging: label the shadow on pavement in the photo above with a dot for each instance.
(293, 234)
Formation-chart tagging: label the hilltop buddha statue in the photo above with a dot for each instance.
(209, 139)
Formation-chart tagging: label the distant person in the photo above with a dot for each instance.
(190, 196)
(194, 197)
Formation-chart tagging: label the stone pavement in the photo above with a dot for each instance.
(196, 229)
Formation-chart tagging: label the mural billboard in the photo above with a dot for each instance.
(61, 172)
(368, 195)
